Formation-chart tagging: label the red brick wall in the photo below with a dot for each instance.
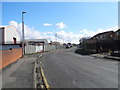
(9, 56)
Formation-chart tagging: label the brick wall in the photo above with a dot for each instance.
(9, 56)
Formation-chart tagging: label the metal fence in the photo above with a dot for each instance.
(53, 47)
(29, 49)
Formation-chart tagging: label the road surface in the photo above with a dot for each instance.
(66, 69)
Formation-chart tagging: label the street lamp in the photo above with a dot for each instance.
(23, 47)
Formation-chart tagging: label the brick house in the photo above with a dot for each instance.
(117, 41)
(102, 42)
(104, 36)
(117, 33)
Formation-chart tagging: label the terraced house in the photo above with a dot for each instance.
(103, 42)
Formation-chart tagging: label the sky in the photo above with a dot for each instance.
(66, 21)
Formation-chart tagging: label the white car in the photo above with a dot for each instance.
(67, 46)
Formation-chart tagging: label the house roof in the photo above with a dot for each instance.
(118, 30)
(102, 33)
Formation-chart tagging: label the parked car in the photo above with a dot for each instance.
(67, 46)
(70, 44)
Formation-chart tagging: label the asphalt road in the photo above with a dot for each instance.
(66, 69)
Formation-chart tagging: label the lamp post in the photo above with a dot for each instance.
(23, 47)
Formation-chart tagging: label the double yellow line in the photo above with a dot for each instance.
(44, 79)
(42, 75)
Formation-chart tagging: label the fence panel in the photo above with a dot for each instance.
(39, 48)
(29, 49)
(53, 47)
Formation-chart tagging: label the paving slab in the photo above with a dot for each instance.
(20, 73)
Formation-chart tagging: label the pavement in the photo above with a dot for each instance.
(105, 55)
(66, 69)
(98, 55)
(20, 73)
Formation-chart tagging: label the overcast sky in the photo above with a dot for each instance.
(70, 21)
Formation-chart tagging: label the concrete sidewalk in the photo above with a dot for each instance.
(106, 56)
(20, 73)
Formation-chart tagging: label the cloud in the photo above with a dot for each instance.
(87, 33)
(60, 25)
(62, 35)
(30, 33)
(74, 37)
(47, 24)
(90, 33)
(13, 23)
(49, 32)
